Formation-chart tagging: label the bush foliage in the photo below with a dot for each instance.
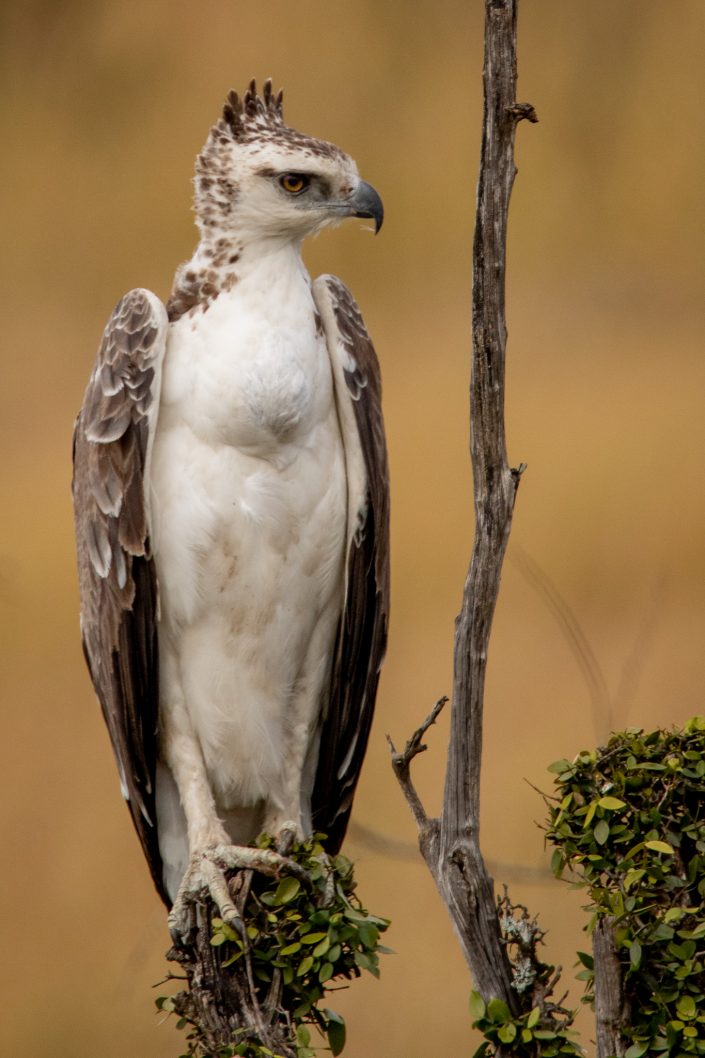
(629, 821)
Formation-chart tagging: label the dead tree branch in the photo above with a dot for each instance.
(451, 845)
(611, 1013)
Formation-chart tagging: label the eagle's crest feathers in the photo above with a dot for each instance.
(253, 112)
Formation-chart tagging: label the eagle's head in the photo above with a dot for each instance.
(258, 179)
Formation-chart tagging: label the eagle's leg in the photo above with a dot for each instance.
(290, 799)
(211, 852)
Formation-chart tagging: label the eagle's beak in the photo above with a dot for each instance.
(365, 202)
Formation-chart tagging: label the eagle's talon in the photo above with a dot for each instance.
(207, 872)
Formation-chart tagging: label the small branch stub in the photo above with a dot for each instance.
(523, 112)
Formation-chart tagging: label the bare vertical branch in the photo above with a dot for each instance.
(465, 881)
(451, 846)
(611, 1014)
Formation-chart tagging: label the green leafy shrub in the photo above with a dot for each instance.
(310, 935)
(529, 1035)
(629, 821)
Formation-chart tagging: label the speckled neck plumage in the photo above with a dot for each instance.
(197, 286)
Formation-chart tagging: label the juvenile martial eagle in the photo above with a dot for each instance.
(231, 499)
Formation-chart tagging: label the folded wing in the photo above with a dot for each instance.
(362, 631)
(119, 595)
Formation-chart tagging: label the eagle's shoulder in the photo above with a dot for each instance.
(112, 436)
(342, 314)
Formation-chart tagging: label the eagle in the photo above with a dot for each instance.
(231, 506)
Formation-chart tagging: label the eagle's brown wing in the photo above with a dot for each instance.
(362, 631)
(118, 584)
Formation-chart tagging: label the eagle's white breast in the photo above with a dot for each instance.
(249, 524)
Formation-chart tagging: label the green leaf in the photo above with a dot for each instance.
(557, 863)
(369, 934)
(635, 954)
(637, 1049)
(533, 1018)
(498, 1011)
(477, 1006)
(659, 846)
(366, 962)
(322, 948)
(233, 958)
(592, 808)
(336, 1031)
(559, 766)
(313, 938)
(287, 889)
(686, 1007)
(601, 832)
(612, 804)
(507, 1032)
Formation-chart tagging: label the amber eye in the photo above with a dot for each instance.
(294, 183)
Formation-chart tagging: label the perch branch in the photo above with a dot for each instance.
(454, 858)
(225, 1008)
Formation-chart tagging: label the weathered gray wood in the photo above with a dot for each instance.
(464, 880)
(611, 1010)
(451, 845)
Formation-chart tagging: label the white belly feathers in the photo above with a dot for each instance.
(248, 500)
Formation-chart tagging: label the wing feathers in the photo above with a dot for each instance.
(116, 574)
(362, 633)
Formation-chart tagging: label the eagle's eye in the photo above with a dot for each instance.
(294, 183)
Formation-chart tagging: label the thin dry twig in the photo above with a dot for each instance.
(401, 763)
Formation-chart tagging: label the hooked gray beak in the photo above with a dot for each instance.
(365, 202)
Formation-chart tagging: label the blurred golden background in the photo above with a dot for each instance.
(105, 108)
